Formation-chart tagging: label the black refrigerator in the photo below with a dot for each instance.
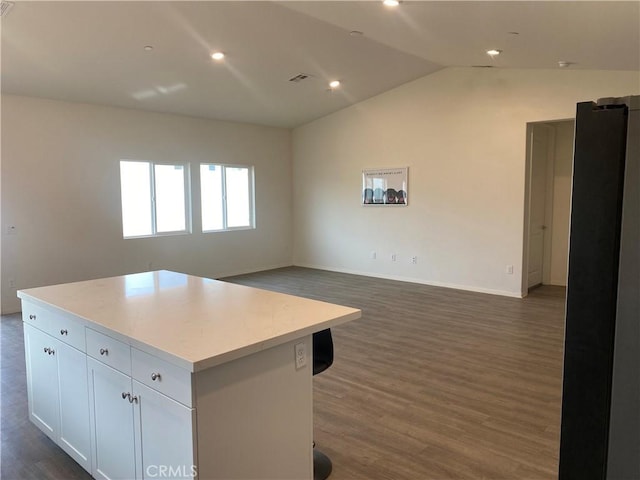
(600, 426)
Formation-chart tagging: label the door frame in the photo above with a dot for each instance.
(546, 262)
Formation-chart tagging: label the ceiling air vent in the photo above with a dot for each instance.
(300, 77)
(4, 8)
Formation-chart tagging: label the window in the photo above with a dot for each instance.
(154, 198)
(227, 197)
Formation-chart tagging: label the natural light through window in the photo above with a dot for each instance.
(227, 197)
(154, 198)
(135, 180)
(211, 195)
(170, 198)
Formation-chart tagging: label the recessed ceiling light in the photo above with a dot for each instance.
(148, 48)
(217, 56)
(356, 33)
(494, 52)
(564, 64)
(334, 84)
(391, 3)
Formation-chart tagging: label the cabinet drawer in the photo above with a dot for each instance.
(55, 324)
(35, 315)
(162, 376)
(67, 330)
(108, 350)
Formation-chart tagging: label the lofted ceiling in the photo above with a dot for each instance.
(93, 51)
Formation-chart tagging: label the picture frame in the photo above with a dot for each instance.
(385, 187)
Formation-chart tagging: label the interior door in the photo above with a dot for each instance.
(540, 136)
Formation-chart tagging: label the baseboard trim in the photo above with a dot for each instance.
(233, 273)
(454, 286)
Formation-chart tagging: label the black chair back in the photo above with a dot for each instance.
(322, 351)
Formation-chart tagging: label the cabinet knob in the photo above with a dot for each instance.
(104, 351)
(155, 376)
(46, 350)
(52, 351)
(32, 317)
(64, 332)
(133, 399)
(125, 395)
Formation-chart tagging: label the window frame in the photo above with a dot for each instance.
(152, 178)
(251, 187)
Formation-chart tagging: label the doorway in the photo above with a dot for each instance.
(547, 206)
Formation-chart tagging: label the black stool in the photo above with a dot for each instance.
(322, 359)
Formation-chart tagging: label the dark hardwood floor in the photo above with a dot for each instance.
(430, 384)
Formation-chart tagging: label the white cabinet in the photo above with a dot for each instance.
(74, 437)
(112, 423)
(42, 380)
(167, 435)
(138, 432)
(123, 413)
(57, 391)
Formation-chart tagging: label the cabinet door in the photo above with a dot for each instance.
(112, 423)
(42, 380)
(167, 431)
(74, 404)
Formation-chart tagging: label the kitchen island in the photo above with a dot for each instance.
(167, 375)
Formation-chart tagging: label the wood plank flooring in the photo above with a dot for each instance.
(430, 384)
(435, 383)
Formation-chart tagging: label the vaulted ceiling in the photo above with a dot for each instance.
(94, 51)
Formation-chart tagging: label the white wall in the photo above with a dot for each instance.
(562, 176)
(462, 132)
(61, 189)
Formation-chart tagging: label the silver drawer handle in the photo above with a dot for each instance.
(104, 351)
(64, 332)
(155, 376)
(32, 317)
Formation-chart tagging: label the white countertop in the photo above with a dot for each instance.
(195, 322)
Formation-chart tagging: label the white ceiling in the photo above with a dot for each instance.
(93, 51)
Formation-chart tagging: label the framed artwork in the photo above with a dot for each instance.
(385, 187)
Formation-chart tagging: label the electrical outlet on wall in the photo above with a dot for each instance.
(301, 355)
(394, 257)
(509, 270)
